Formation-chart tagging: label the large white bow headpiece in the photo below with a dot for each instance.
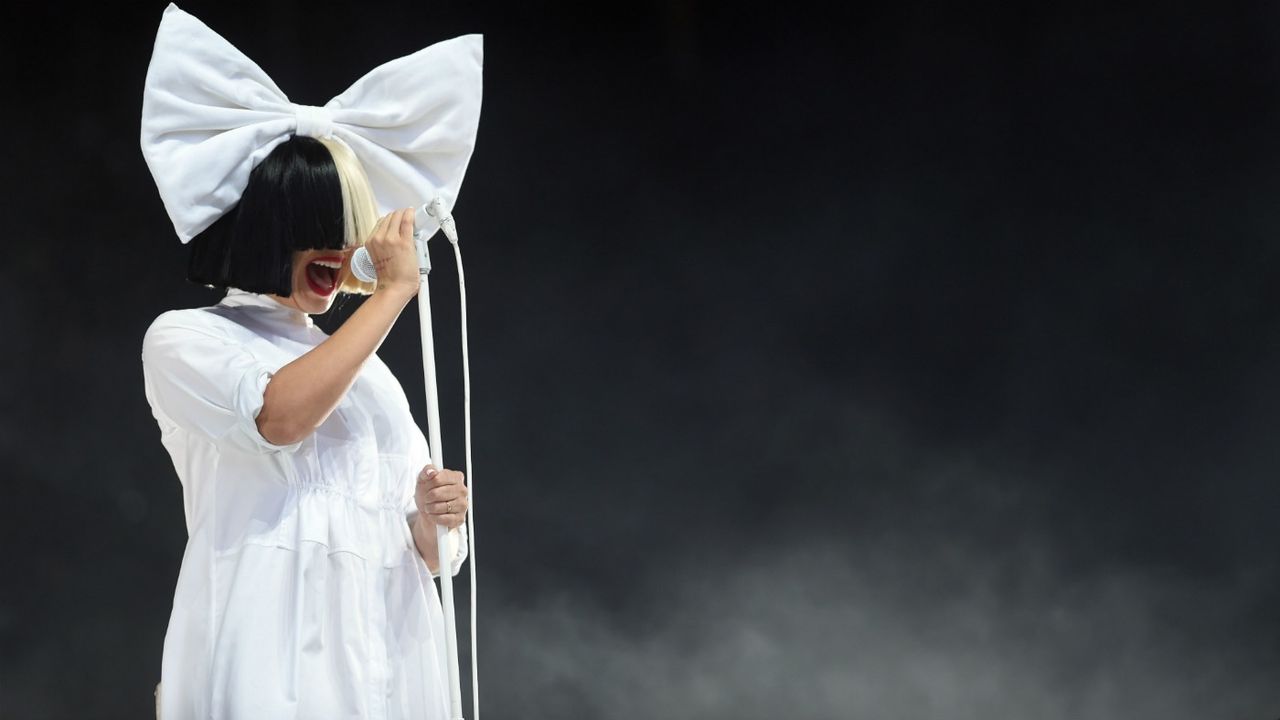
(210, 115)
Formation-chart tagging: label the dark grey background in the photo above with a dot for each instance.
(906, 361)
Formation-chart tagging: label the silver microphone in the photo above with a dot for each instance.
(362, 264)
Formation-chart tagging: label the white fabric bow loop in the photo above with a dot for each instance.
(312, 121)
(210, 115)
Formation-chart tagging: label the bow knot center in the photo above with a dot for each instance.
(313, 121)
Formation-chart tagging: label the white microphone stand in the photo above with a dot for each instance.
(362, 267)
(445, 557)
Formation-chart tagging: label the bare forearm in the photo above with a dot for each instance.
(424, 537)
(302, 394)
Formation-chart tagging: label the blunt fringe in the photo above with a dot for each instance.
(307, 194)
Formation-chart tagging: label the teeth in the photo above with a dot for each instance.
(335, 264)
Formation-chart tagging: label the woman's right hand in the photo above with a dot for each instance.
(394, 256)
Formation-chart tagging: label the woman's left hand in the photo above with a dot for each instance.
(441, 496)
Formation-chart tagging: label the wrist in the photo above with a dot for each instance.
(402, 291)
(424, 539)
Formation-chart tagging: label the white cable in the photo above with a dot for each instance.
(471, 507)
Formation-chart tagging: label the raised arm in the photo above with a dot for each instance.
(302, 394)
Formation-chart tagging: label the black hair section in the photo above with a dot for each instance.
(293, 202)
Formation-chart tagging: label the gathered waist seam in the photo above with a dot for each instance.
(336, 492)
(268, 543)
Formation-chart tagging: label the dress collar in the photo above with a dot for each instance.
(236, 298)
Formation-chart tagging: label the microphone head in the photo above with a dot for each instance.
(362, 266)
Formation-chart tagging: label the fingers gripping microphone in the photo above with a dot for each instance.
(362, 264)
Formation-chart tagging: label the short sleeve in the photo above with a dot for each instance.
(421, 455)
(206, 383)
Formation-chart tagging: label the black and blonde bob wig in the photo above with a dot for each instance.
(307, 194)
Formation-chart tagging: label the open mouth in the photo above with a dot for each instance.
(322, 275)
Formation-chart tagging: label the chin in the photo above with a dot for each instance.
(313, 304)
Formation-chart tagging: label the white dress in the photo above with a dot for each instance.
(301, 593)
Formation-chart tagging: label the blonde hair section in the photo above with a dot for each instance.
(359, 210)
